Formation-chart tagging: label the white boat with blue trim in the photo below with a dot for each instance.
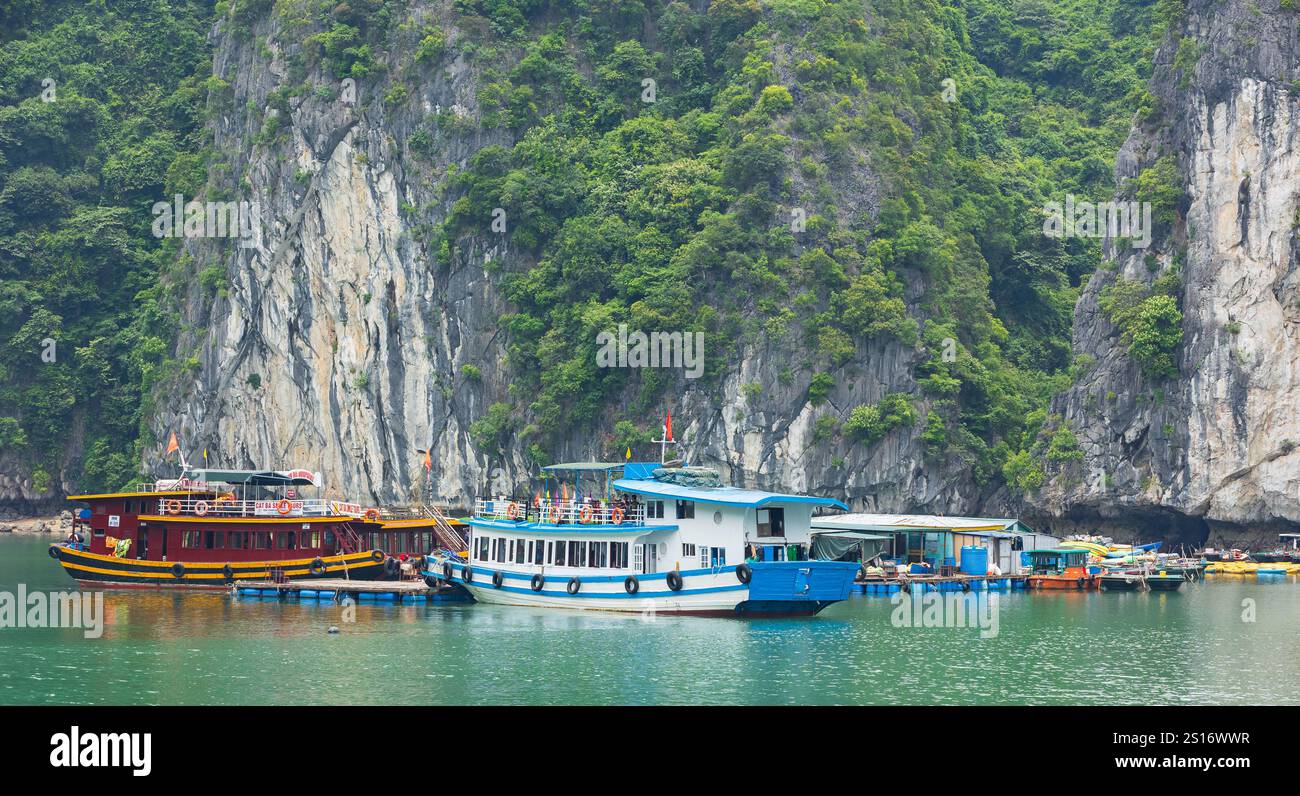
(642, 537)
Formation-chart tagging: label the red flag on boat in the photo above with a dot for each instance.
(428, 460)
(668, 426)
(172, 445)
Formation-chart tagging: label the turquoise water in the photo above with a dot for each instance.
(1191, 647)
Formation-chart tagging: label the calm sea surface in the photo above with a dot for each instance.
(1193, 647)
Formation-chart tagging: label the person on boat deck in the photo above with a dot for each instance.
(75, 537)
(751, 554)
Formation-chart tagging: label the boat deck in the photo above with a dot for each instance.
(957, 582)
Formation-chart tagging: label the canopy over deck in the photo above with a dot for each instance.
(726, 495)
(898, 523)
(256, 477)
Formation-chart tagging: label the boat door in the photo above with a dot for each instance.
(141, 544)
(649, 564)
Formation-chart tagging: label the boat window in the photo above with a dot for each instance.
(550, 552)
(208, 541)
(577, 554)
(537, 551)
(189, 538)
(262, 540)
(685, 509)
(501, 551)
(482, 545)
(218, 539)
(719, 556)
(771, 522)
(704, 557)
(688, 550)
(618, 555)
(599, 554)
(654, 509)
(520, 552)
(559, 554)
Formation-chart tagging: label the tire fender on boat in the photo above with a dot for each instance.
(1081, 583)
(377, 555)
(54, 552)
(317, 567)
(447, 571)
(498, 579)
(178, 570)
(228, 572)
(392, 566)
(538, 582)
(965, 585)
(575, 585)
(744, 573)
(631, 585)
(431, 582)
(675, 580)
(468, 574)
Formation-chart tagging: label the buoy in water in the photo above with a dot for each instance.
(333, 630)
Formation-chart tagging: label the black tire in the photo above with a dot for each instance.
(431, 582)
(965, 585)
(907, 587)
(392, 566)
(575, 585)
(1079, 584)
(631, 585)
(498, 579)
(377, 555)
(317, 568)
(447, 570)
(538, 582)
(228, 572)
(54, 553)
(675, 580)
(744, 573)
(178, 570)
(468, 575)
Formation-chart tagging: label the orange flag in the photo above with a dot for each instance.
(668, 426)
(172, 445)
(428, 460)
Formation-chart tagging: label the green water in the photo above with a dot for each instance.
(1192, 647)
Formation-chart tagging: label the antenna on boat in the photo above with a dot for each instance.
(666, 439)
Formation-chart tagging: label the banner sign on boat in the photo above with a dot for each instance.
(271, 508)
(339, 507)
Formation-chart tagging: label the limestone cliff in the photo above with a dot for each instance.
(1212, 450)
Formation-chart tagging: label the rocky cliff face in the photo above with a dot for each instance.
(1213, 450)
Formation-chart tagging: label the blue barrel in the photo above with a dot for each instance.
(308, 594)
(975, 561)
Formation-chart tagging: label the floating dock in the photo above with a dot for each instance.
(925, 583)
(338, 589)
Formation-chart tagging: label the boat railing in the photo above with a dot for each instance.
(559, 512)
(172, 485)
(224, 506)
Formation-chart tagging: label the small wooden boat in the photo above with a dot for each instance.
(1121, 581)
(1164, 581)
(1060, 569)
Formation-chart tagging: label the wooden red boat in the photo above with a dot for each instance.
(210, 528)
(1061, 569)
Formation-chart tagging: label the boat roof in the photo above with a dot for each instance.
(161, 493)
(727, 495)
(584, 466)
(1057, 551)
(256, 477)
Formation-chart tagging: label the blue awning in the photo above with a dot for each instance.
(726, 495)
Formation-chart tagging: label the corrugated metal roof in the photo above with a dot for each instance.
(918, 522)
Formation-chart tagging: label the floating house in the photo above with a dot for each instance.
(933, 539)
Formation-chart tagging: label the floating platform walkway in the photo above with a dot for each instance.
(926, 583)
(337, 589)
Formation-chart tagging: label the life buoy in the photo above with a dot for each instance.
(575, 585)
(512, 511)
(372, 514)
(172, 506)
(54, 553)
(675, 580)
(467, 574)
(447, 570)
(631, 585)
(538, 582)
(586, 514)
(178, 570)
(744, 573)
(284, 507)
(498, 579)
(201, 508)
(317, 567)
(228, 572)
(377, 555)
(616, 516)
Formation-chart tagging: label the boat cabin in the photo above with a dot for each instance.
(1058, 561)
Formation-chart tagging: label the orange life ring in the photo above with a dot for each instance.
(201, 508)
(586, 514)
(172, 506)
(372, 514)
(512, 511)
(616, 516)
(284, 507)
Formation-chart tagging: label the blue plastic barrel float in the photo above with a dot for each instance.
(975, 560)
(308, 594)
